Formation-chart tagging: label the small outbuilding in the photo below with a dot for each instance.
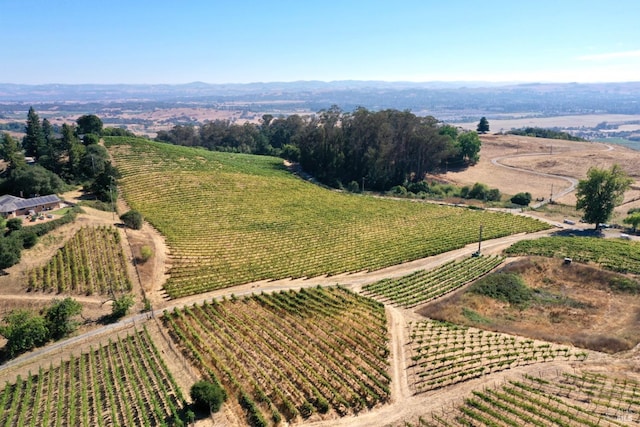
(12, 206)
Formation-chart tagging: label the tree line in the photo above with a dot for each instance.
(382, 148)
(47, 162)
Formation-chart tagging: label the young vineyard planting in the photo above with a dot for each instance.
(423, 286)
(290, 355)
(441, 354)
(92, 262)
(613, 254)
(231, 219)
(124, 383)
(566, 399)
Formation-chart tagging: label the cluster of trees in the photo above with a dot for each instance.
(383, 148)
(545, 133)
(25, 329)
(71, 157)
(477, 191)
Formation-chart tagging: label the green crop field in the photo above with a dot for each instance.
(124, 383)
(573, 399)
(289, 355)
(91, 262)
(426, 285)
(613, 254)
(230, 219)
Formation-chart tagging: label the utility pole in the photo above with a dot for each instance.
(363, 184)
(477, 253)
(551, 195)
(113, 206)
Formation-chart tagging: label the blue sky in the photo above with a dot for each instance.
(225, 41)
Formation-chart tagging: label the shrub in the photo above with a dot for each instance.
(398, 190)
(625, 284)
(29, 239)
(353, 187)
(290, 152)
(207, 396)
(23, 330)
(121, 306)
(522, 199)
(508, 287)
(14, 224)
(493, 195)
(132, 219)
(10, 251)
(145, 253)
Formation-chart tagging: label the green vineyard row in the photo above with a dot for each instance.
(613, 254)
(423, 286)
(230, 219)
(124, 383)
(568, 399)
(443, 354)
(288, 355)
(92, 262)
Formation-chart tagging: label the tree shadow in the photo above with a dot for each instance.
(578, 233)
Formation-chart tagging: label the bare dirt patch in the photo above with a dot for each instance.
(574, 304)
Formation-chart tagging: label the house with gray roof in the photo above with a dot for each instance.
(12, 206)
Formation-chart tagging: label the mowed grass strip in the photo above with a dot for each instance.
(233, 218)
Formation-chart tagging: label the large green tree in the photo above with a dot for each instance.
(34, 180)
(10, 251)
(11, 153)
(89, 124)
(633, 220)
(59, 317)
(23, 330)
(207, 396)
(34, 142)
(469, 144)
(599, 194)
(483, 125)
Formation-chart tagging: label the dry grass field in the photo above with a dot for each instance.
(558, 159)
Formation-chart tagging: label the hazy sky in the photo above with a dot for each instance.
(226, 41)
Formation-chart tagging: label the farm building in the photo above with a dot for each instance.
(12, 206)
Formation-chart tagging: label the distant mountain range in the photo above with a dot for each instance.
(441, 99)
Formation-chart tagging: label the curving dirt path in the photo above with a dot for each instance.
(573, 182)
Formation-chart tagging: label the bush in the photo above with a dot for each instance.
(508, 287)
(58, 317)
(29, 239)
(10, 251)
(290, 152)
(398, 190)
(353, 187)
(145, 253)
(121, 306)
(207, 396)
(493, 195)
(13, 224)
(132, 219)
(522, 199)
(23, 330)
